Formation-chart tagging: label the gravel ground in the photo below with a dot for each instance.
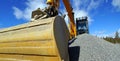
(89, 48)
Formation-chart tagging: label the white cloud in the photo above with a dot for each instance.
(116, 4)
(77, 11)
(77, 6)
(104, 33)
(87, 5)
(31, 5)
(82, 13)
(84, 7)
(18, 13)
(94, 4)
(76, 3)
(101, 33)
(78, 14)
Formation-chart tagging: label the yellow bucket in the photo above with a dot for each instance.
(41, 40)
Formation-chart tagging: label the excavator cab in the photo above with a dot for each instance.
(82, 25)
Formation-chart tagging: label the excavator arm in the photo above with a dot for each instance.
(71, 17)
(69, 9)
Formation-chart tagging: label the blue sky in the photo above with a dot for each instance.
(103, 15)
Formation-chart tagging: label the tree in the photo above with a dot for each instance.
(116, 34)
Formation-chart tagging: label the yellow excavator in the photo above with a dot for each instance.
(43, 39)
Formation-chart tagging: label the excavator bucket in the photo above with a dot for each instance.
(40, 40)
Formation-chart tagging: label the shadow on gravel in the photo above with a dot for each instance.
(74, 53)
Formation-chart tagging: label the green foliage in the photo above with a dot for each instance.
(112, 40)
(116, 34)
